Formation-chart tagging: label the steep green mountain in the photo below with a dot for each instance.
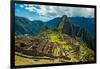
(76, 31)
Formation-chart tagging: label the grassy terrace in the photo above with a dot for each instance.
(56, 38)
(85, 53)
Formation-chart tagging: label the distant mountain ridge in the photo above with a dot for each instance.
(53, 23)
(25, 26)
(87, 23)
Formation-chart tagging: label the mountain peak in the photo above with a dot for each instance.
(64, 16)
(62, 22)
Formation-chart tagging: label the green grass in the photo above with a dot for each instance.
(56, 38)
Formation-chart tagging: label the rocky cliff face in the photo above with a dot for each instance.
(76, 31)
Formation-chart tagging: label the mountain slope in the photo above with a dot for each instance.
(52, 24)
(25, 26)
(87, 23)
(77, 31)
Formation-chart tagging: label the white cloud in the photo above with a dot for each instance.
(22, 6)
(42, 10)
(55, 11)
(83, 12)
(29, 9)
(69, 11)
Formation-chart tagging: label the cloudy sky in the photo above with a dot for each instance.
(46, 13)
